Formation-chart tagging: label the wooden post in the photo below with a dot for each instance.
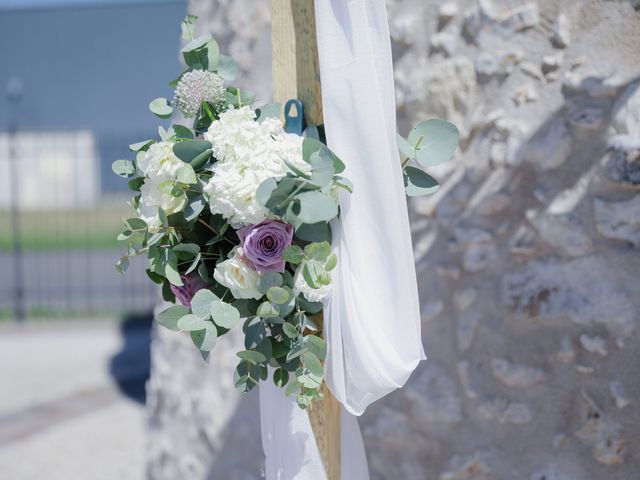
(296, 74)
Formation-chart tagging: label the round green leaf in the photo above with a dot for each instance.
(252, 356)
(188, 150)
(318, 250)
(268, 310)
(278, 295)
(169, 318)
(434, 140)
(186, 175)
(418, 182)
(268, 280)
(294, 254)
(406, 150)
(312, 362)
(201, 303)
(224, 315)
(192, 323)
(160, 107)
(205, 339)
(123, 168)
(227, 68)
(255, 333)
(316, 207)
(289, 330)
(280, 377)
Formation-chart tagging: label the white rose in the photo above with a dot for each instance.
(159, 166)
(155, 193)
(300, 285)
(236, 275)
(159, 160)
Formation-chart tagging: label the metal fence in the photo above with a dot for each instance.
(60, 211)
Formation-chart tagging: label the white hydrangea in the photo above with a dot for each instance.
(248, 153)
(159, 166)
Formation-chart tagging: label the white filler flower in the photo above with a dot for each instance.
(300, 285)
(248, 153)
(238, 277)
(198, 86)
(159, 166)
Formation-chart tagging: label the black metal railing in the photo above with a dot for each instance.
(60, 211)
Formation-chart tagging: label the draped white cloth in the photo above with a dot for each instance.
(372, 321)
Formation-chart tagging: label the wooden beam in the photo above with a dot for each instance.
(296, 74)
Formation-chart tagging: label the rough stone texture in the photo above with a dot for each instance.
(527, 256)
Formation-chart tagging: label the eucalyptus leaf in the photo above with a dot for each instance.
(316, 207)
(316, 345)
(312, 362)
(160, 107)
(331, 263)
(405, 148)
(418, 182)
(123, 168)
(185, 174)
(294, 254)
(252, 356)
(224, 315)
(196, 43)
(317, 232)
(189, 150)
(278, 295)
(289, 330)
(280, 377)
(190, 323)
(182, 132)
(169, 318)
(318, 250)
(434, 140)
(213, 55)
(268, 280)
(268, 310)
(171, 269)
(205, 339)
(201, 303)
(311, 145)
(269, 110)
(141, 146)
(255, 333)
(227, 68)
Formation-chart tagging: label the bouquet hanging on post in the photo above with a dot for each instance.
(234, 216)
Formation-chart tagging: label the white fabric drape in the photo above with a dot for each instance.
(372, 322)
(373, 317)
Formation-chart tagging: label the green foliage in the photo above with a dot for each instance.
(169, 318)
(269, 110)
(434, 141)
(418, 182)
(160, 107)
(224, 314)
(123, 168)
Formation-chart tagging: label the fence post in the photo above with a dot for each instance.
(296, 74)
(14, 95)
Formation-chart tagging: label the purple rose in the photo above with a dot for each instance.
(263, 245)
(190, 285)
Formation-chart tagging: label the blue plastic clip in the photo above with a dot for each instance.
(294, 124)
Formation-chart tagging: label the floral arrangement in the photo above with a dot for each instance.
(234, 216)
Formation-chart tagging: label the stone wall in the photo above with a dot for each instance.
(527, 257)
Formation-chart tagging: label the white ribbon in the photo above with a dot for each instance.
(372, 322)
